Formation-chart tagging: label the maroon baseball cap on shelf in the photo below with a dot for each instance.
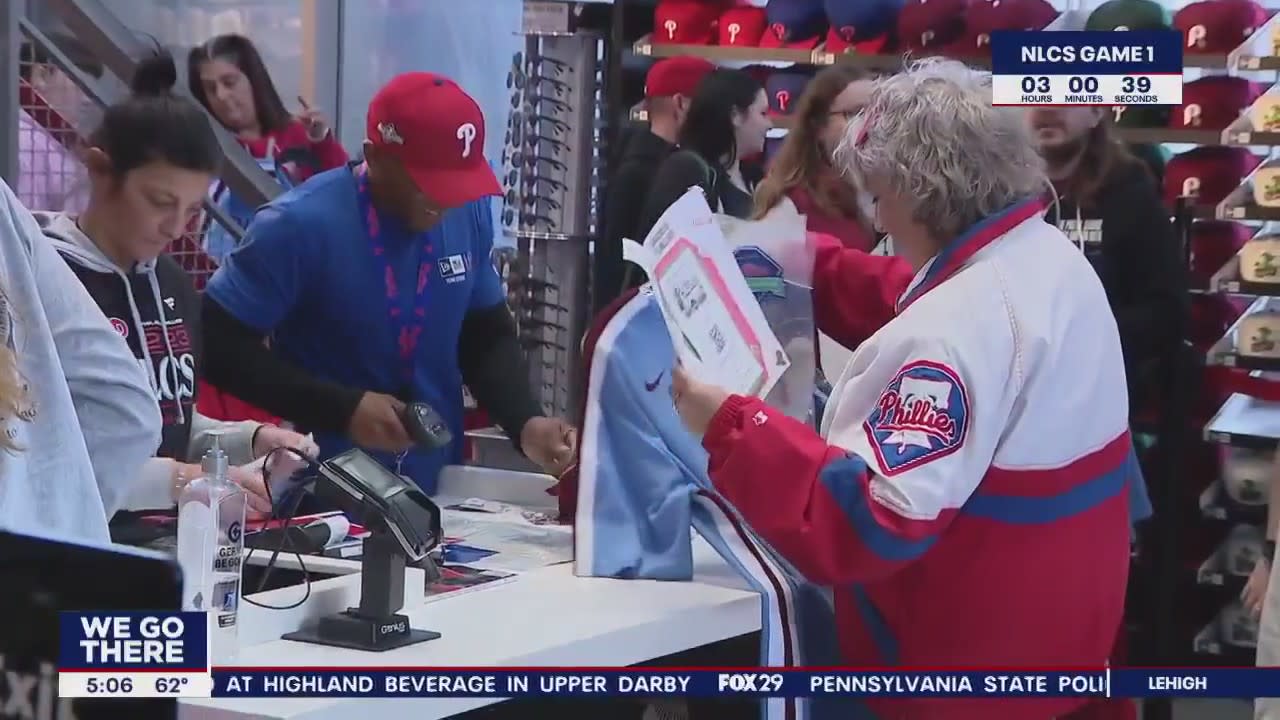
(743, 26)
(676, 76)
(987, 16)
(795, 24)
(931, 25)
(1208, 173)
(1218, 26)
(1213, 103)
(437, 131)
(685, 22)
(1213, 243)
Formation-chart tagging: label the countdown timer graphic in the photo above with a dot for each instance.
(1086, 68)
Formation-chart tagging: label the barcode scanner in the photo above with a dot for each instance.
(426, 428)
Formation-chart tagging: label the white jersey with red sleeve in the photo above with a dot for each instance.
(968, 496)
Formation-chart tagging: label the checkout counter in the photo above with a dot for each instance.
(542, 617)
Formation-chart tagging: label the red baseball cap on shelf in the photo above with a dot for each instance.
(676, 76)
(743, 26)
(1218, 26)
(987, 16)
(437, 130)
(685, 22)
(1213, 243)
(865, 26)
(1207, 173)
(796, 24)
(931, 25)
(1213, 103)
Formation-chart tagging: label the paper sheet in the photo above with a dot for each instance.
(719, 332)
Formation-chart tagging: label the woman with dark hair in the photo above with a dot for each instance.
(1110, 206)
(228, 77)
(150, 164)
(802, 171)
(726, 122)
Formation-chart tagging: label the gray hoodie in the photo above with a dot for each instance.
(161, 323)
(91, 419)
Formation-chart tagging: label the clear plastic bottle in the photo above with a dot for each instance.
(211, 515)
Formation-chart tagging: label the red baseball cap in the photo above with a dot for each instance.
(437, 131)
(685, 22)
(743, 26)
(931, 25)
(1218, 26)
(676, 76)
(1213, 243)
(1213, 103)
(987, 16)
(1208, 173)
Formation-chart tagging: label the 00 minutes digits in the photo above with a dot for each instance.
(1131, 85)
(109, 685)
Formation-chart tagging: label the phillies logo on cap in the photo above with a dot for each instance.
(847, 32)
(779, 30)
(1191, 116)
(1197, 36)
(783, 97)
(1118, 111)
(734, 29)
(389, 134)
(120, 326)
(926, 37)
(466, 133)
(1191, 187)
(671, 26)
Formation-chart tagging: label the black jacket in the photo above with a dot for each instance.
(139, 304)
(635, 167)
(683, 170)
(1126, 234)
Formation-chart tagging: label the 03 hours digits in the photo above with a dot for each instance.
(109, 685)
(1130, 85)
(1035, 84)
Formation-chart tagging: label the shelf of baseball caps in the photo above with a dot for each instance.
(1246, 422)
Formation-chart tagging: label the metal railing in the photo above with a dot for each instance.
(51, 131)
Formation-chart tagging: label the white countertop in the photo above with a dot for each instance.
(545, 617)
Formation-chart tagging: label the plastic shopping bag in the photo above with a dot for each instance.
(776, 256)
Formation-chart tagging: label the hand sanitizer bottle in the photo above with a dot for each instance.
(211, 515)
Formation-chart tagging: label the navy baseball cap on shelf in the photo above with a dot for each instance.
(795, 24)
(784, 90)
(864, 26)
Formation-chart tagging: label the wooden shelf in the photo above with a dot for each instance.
(819, 56)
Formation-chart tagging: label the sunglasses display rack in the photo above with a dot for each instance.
(551, 186)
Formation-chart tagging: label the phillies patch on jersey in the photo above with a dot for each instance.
(923, 415)
(643, 494)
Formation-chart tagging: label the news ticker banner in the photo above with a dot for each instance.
(141, 655)
(1140, 67)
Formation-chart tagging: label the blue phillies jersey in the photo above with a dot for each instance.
(306, 274)
(643, 492)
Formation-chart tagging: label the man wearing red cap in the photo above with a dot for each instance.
(375, 286)
(668, 89)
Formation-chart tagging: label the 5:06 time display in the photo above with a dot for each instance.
(109, 685)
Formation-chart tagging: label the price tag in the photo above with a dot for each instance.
(546, 18)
